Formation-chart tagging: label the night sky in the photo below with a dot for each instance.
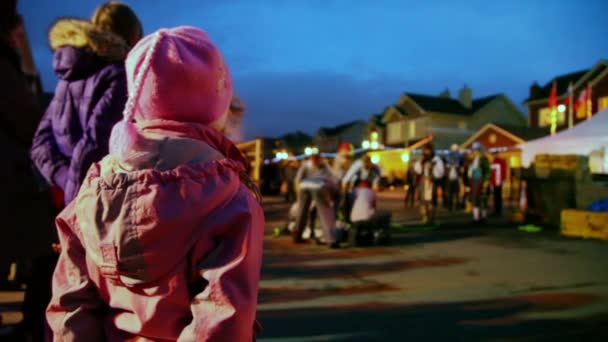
(302, 64)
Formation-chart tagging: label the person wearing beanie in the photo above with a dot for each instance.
(164, 240)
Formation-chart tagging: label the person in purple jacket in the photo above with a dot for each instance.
(89, 97)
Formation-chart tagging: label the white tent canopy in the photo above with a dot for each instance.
(582, 139)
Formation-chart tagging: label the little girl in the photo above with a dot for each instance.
(164, 240)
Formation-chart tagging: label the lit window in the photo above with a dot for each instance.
(602, 103)
(544, 117)
(395, 132)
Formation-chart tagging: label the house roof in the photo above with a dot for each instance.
(332, 131)
(576, 78)
(562, 83)
(377, 120)
(518, 133)
(524, 132)
(449, 105)
(297, 135)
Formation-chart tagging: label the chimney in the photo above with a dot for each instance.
(445, 94)
(535, 90)
(466, 97)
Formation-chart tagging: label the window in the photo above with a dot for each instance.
(395, 132)
(544, 117)
(602, 103)
(492, 139)
(412, 132)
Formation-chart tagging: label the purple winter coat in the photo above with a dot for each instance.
(88, 101)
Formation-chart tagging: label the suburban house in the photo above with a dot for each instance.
(595, 78)
(504, 138)
(328, 139)
(448, 120)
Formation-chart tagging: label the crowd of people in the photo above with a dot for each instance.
(147, 223)
(463, 180)
(460, 180)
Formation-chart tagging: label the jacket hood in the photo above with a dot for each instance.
(138, 218)
(81, 48)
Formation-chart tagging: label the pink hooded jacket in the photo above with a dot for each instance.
(167, 248)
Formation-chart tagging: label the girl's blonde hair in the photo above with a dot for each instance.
(120, 19)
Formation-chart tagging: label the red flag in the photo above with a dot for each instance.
(553, 96)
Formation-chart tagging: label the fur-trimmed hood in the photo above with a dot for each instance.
(80, 33)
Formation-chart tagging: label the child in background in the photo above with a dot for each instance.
(369, 226)
(164, 240)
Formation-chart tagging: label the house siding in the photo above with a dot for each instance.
(499, 140)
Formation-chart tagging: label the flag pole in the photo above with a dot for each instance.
(589, 102)
(570, 106)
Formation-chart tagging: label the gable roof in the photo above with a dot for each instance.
(333, 131)
(449, 105)
(562, 81)
(562, 84)
(296, 137)
(519, 134)
(376, 120)
(524, 132)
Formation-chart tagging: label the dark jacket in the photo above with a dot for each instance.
(88, 101)
(26, 224)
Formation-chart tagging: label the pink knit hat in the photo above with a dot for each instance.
(177, 74)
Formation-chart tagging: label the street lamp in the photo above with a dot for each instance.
(365, 144)
(561, 108)
(405, 157)
(308, 151)
(375, 159)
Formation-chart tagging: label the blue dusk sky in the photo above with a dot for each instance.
(302, 64)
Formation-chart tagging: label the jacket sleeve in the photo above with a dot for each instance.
(226, 309)
(93, 145)
(349, 177)
(75, 310)
(45, 153)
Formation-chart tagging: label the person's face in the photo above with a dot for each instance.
(367, 163)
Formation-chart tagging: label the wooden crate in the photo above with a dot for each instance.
(585, 224)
